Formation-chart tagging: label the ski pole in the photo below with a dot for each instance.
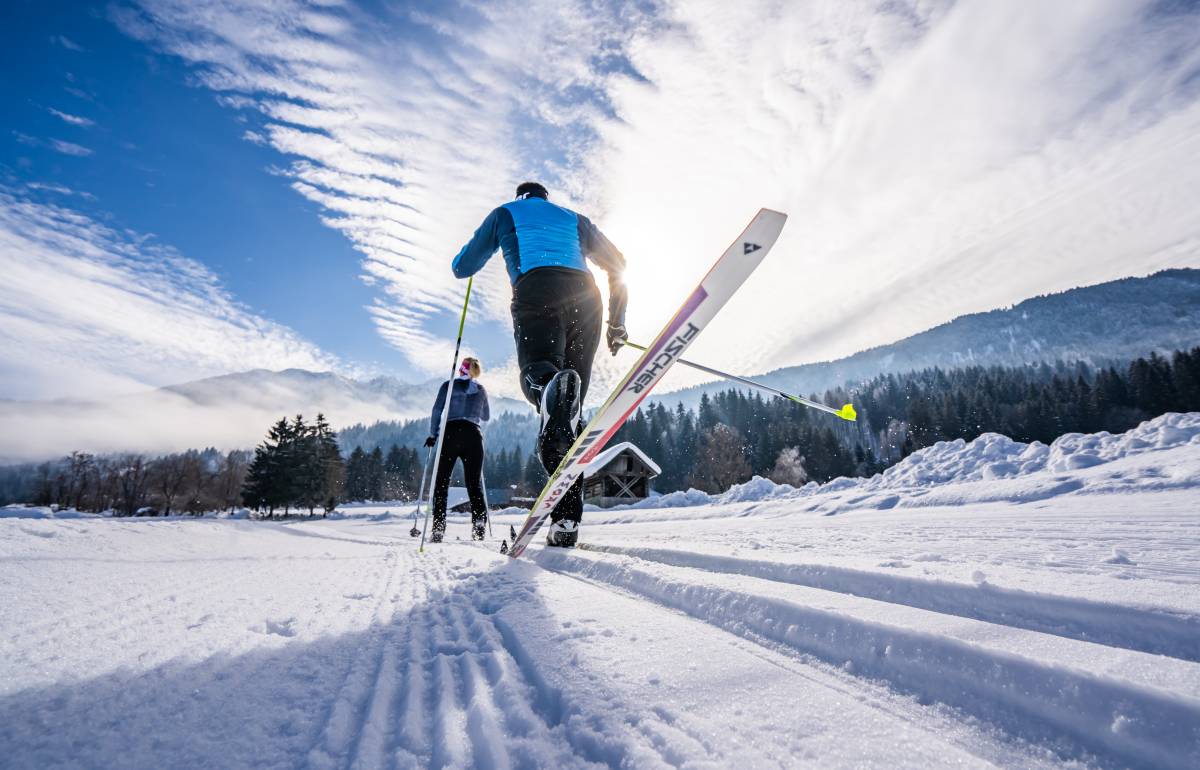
(424, 472)
(421, 494)
(487, 507)
(846, 412)
(437, 449)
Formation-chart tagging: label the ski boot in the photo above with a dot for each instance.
(436, 536)
(478, 531)
(561, 410)
(563, 533)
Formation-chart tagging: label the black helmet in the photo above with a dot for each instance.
(531, 190)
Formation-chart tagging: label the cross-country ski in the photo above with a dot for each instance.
(731, 269)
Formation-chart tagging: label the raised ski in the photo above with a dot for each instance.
(724, 278)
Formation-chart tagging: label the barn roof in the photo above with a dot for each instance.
(607, 456)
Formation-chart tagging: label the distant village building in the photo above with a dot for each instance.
(619, 475)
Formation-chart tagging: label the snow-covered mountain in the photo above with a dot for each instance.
(232, 410)
(293, 390)
(1119, 320)
(1114, 321)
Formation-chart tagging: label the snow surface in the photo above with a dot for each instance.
(982, 604)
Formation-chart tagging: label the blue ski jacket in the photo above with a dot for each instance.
(533, 232)
(468, 402)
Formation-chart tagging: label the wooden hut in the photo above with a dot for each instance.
(619, 475)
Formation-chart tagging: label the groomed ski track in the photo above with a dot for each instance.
(334, 644)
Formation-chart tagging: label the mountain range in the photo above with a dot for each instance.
(232, 410)
(1114, 321)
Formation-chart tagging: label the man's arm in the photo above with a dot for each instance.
(479, 249)
(600, 250)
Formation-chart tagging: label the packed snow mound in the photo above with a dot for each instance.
(19, 511)
(756, 488)
(991, 467)
(988, 457)
(1078, 450)
(992, 456)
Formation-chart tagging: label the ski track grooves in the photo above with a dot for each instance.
(439, 681)
(1075, 712)
(348, 713)
(1161, 632)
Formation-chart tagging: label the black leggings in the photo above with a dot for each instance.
(556, 316)
(462, 441)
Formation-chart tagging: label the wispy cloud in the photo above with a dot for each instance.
(86, 310)
(74, 120)
(58, 145)
(67, 43)
(60, 190)
(406, 129)
(69, 148)
(936, 158)
(79, 93)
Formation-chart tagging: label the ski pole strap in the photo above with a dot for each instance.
(846, 412)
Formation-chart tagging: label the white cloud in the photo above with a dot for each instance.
(407, 129)
(60, 190)
(88, 311)
(67, 43)
(74, 120)
(935, 159)
(69, 148)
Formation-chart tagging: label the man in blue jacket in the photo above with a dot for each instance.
(556, 312)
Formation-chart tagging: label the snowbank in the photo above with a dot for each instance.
(983, 462)
(42, 512)
(992, 456)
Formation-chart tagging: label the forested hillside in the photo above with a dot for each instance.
(1112, 322)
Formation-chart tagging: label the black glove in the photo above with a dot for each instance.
(617, 336)
(618, 298)
(431, 441)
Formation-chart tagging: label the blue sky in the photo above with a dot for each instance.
(195, 187)
(166, 158)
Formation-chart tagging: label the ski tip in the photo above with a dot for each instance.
(847, 413)
(503, 546)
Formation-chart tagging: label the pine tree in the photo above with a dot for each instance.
(331, 466)
(534, 477)
(356, 475)
(394, 482)
(266, 482)
(308, 464)
(374, 475)
(722, 460)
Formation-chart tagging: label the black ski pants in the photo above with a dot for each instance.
(463, 441)
(557, 316)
